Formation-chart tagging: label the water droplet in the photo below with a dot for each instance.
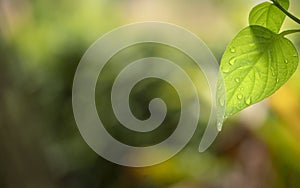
(232, 61)
(219, 126)
(252, 44)
(273, 72)
(240, 96)
(226, 69)
(232, 50)
(277, 80)
(237, 80)
(241, 88)
(248, 101)
(286, 61)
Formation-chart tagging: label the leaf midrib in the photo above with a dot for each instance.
(268, 44)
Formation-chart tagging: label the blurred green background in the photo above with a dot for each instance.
(41, 43)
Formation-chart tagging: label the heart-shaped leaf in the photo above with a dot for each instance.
(255, 64)
(268, 15)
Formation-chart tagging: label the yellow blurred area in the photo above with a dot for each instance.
(286, 104)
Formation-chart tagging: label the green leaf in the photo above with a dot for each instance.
(284, 3)
(268, 15)
(255, 64)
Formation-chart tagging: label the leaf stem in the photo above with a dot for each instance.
(287, 32)
(286, 12)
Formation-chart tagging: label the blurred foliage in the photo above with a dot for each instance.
(41, 43)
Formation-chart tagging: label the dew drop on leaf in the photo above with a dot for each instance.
(232, 50)
(248, 101)
(231, 62)
(273, 72)
(219, 126)
(286, 61)
(226, 70)
(240, 96)
(237, 80)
